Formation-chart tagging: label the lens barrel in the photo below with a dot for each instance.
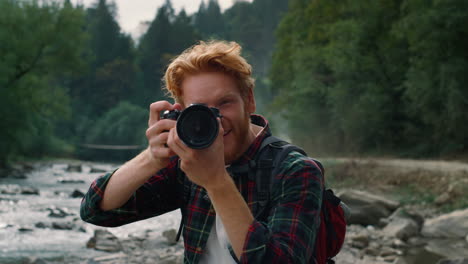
(197, 126)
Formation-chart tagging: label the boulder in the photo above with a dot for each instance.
(74, 168)
(402, 228)
(452, 225)
(170, 235)
(77, 194)
(448, 248)
(367, 208)
(104, 240)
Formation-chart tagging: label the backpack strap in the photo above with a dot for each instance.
(270, 155)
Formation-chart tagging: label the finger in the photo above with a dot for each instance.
(156, 109)
(177, 106)
(159, 147)
(159, 127)
(220, 125)
(174, 143)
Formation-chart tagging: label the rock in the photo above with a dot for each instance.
(442, 199)
(29, 191)
(97, 170)
(62, 225)
(58, 212)
(448, 248)
(366, 208)
(398, 243)
(387, 251)
(452, 225)
(25, 229)
(41, 225)
(77, 194)
(453, 261)
(103, 240)
(74, 168)
(16, 189)
(69, 180)
(360, 240)
(402, 228)
(170, 235)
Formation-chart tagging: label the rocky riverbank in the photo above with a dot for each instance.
(39, 223)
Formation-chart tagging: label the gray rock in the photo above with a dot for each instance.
(170, 235)
(448, 248)
(25, 229)
(452, 225)
(77, 194)
(58, 212)
(74, 168)
(103, 240)
(69, 181)
(402, 228)
(29, 191)
(97, 170)
(62, 225)
(366, 208)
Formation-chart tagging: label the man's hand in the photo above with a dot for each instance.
(158, 132)
(204, 167)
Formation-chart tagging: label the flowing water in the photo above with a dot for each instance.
(20, 213)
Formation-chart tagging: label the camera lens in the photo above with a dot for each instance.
(197, 126)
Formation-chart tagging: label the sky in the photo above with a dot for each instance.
(132, 12)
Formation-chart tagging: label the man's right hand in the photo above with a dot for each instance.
(128, 178)
(157, 133)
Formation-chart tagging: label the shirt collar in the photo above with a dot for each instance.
(249, 154)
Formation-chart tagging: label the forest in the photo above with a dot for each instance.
(348, 77)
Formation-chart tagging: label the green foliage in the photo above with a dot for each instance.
(125, 124)
(167, 36)
(369, 76)
(209, 21)
(362, 76)
(41, 45)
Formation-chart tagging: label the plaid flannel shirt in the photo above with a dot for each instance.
(285, 235)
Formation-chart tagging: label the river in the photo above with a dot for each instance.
(26, 227)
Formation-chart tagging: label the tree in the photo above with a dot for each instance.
(167, 36)
(41, 45)
(209, 20)
(436, 90)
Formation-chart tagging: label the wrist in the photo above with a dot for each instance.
(148, 161)
(221, 186)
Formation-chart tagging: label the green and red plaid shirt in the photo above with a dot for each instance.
(286, 235)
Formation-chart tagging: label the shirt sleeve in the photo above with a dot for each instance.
(288, 236)
(154, 197)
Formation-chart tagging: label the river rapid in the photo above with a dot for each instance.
(39, 214)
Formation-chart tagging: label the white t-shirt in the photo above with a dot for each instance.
(217, 246)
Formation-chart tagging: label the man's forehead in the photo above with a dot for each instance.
(212, 98)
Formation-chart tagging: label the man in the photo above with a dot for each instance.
(218, 208)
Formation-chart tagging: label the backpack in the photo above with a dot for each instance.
(331, 232)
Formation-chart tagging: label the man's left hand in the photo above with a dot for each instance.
(204, 167)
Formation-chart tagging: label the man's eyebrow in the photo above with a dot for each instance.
(225, 96)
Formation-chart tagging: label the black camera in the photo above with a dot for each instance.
(197, 125)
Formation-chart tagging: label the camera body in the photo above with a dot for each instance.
(197, 125)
